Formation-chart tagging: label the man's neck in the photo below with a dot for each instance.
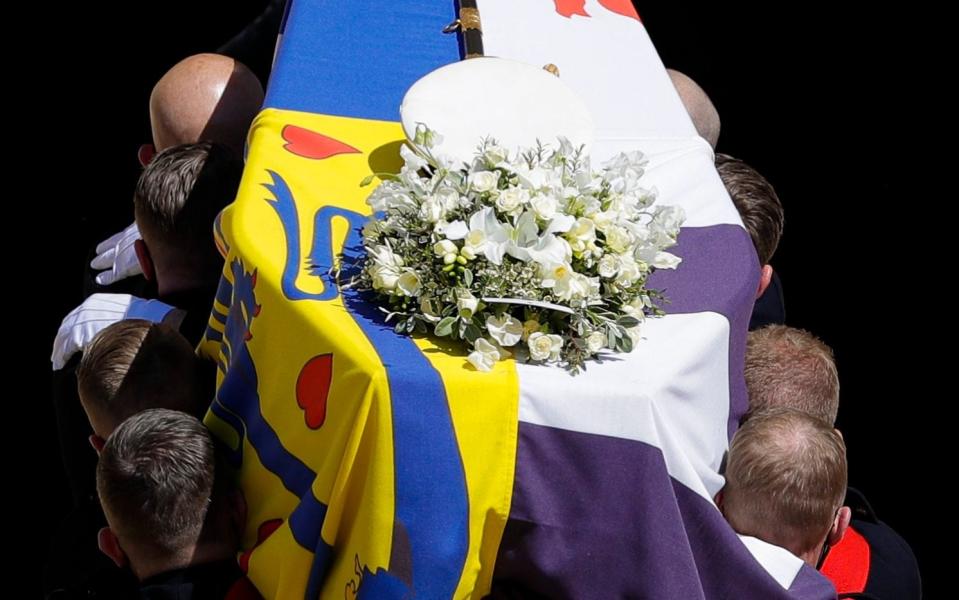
(200, 555)
(174, 285)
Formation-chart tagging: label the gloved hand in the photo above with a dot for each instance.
(98, 312)
(117, 255)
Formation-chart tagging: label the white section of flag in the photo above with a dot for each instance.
(609, 60)
(782, 564)
(671, 391)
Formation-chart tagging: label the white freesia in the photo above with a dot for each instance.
(535, 179)
(409, 283)
(483, 356)
(658, 258)
(485, 235)
(446, 250)
(544, 346)
(466, 304)
(506, 330)
(581, 234)
(384, 278)
(411, 159)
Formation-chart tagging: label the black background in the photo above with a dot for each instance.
(827, 108)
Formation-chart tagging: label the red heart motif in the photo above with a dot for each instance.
(264, 531)
(310, 144)
(568, 8)
(313, 388)
(621, 7)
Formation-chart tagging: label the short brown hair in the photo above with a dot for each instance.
(757, 204)
(155, 479)
(133, 365)
(178, 197)
(786, 477)
(790, 367)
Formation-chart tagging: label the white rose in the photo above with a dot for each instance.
(544, 347)
(466, 304)
(608, 266)
(409, 283)
(618, 239)
(604, 219)
(543, 206)
(494, 155)
(505, 330)
(511, 200)
(595, 341)
(483, 181)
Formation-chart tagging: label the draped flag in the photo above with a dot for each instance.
(380, 466)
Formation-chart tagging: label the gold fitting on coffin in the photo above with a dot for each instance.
(470, 19)
(552, 69)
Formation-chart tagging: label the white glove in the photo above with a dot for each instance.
(117, 255)
(98, 312)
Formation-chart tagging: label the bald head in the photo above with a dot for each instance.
(206, 97)
(700, 108)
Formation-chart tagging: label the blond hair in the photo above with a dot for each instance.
(786, 478)
(790, 367)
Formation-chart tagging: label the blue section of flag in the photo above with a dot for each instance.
(357, 58)
(306, 523)
(430, 496)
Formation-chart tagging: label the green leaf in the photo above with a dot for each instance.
(444, 327)
(472, 333)
(367, 180)
(400, 327)
(468, 277)
(628, 322)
